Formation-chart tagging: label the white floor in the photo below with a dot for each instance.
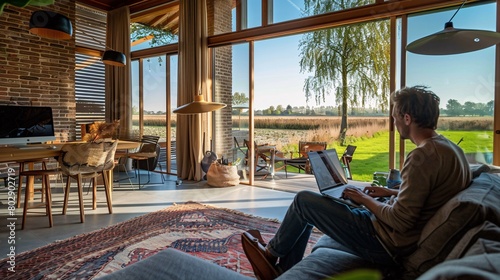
(128, 202)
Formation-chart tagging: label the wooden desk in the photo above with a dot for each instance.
(12, 154)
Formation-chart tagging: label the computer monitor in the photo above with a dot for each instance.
(22, 125)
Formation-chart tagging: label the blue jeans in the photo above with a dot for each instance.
(351, 227)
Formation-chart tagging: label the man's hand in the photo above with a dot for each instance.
(356, 195)
(379, 191)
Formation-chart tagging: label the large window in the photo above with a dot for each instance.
(464, 82)
(153, 88)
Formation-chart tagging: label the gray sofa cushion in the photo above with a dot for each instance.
(483, 267)
(469, 208)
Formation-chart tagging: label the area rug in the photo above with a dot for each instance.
(203, 231)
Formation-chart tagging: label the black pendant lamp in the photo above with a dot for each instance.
(51, 25)
(114, 58)
(454, 41)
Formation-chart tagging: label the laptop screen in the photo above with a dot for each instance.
(327, 169)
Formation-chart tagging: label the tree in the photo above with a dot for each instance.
(454, 108)
(156, 36)
(239, 98)
(350, 62)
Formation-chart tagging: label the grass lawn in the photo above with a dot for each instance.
(372, 153)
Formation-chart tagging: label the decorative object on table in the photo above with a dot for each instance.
(380, 178)
(24, 3)
(101, 130)
(222, 175)
(203, 231)
(454, 41)
(394, 179)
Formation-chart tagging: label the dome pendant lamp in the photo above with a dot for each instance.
(199, 105)
(114, 58)
(51, 25)
(454, 41)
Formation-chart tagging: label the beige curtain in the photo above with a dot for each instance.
(118, 81)
(193, 77)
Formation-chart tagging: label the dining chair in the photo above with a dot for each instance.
(146, 158)
(87, 161)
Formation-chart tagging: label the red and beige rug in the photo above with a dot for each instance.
(203, 231)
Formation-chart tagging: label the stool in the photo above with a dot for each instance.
(30, 176)
(21, 170)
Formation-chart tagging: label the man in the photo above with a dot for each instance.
(435, 171)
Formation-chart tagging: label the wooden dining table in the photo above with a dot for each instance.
(38, 151)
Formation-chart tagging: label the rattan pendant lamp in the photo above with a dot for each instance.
(454, 41)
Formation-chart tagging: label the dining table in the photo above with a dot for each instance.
(33, 152)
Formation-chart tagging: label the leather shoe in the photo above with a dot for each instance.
(262, 262)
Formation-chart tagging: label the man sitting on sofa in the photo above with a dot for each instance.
(435, 171)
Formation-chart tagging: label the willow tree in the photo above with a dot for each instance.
(349, 62)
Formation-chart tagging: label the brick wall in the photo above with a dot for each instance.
(219, 18)
(38, 71)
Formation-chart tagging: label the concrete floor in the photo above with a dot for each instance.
(270, 199)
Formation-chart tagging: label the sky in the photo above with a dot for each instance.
(278, 80)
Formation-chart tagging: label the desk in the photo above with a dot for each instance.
(37, 151)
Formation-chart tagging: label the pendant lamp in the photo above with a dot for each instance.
(199, 105)
(114, 58)
(51, 25)
(454, 41)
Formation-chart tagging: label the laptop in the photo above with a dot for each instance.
(330, 176)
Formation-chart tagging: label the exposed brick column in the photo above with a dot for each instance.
(219, 21)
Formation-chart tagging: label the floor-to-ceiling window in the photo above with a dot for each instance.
(154, 95)
(464, 82)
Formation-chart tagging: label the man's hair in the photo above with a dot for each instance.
(418, 102)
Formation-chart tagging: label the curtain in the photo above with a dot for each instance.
(192, 79)
(118, 81)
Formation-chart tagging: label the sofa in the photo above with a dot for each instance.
(461, 241)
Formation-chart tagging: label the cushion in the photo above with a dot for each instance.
(482, 239)
(484, 267)
(469, 208)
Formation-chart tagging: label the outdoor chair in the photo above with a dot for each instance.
(302, 162)
(261, 158)
(346, 160)
(87, 160)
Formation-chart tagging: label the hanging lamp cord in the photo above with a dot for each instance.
(463, 3)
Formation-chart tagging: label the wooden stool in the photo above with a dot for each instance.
(22, 168)
(30, 176)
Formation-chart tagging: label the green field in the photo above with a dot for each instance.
(372, 154)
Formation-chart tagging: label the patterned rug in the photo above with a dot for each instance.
(202, 231)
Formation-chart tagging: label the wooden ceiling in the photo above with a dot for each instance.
(155, 13)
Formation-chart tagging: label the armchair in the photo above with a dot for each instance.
(302, 162)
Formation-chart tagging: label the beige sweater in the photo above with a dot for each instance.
(432, 174)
